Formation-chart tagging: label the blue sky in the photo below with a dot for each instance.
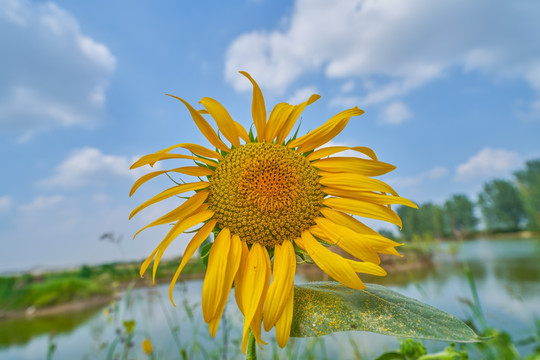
(451, 91)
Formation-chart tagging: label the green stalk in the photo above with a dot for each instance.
(251, 353)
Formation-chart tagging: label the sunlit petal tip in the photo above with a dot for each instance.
(258, 108)
(313, 98)
(203, 126)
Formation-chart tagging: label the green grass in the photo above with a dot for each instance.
(16, 294)
(53, 288)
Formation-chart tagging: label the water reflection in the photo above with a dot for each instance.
(21, 330)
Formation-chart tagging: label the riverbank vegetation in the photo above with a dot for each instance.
(34, 291)
(503, 206)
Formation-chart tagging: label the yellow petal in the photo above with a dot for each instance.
(329, 262)
(354, 182)
(278, 116)
(325, 132)
(286, 126)
(365, 209)
(187, 170)
(176, 230)
(223, 120)
(187, 208)
(355, 243)
(283, 325)
(238, 280)
(203, 126)
(349, 240)
(193, 245)
(214, 280)
(186, 224)
(258, 109)
(194, 148)
(316, 231)
(241, 131)
(233, 261)
(153, 158)
(252, 286)
(353, 165)
(347, 220)
(278, 294)
(330, 150)
(367, 268)
(175, 190)
(255, 325)
(368, 196)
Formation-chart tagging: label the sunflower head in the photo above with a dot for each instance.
(270, 194)
(265, 193)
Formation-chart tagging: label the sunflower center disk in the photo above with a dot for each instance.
(265, 193)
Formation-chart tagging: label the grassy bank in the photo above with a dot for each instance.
(44, 290)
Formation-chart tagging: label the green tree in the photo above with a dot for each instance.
(501, 206)
(529, 187)
(427, 222)
(411, 221)
(460, 214)
(432, 221)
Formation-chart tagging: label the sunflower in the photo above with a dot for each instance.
(267, 199)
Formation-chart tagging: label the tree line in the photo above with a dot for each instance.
(501, 206)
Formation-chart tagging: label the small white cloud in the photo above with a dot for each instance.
(488, 163)
(41, 203)
(52, 75)
(435, 173)
(5, 203)
(302, 95)
(348, 87)
(395, 113)
(89, 166)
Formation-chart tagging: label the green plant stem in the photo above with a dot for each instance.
(251, 353)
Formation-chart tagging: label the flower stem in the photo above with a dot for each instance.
(251, 353)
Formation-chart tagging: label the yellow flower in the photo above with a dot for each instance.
(147, 346)
(264, 196)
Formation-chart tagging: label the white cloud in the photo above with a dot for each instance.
(395, 113)
(88, 166)
(348, 87)
(488, 163)
(52, 74)
(398, 46)
(435, 173)
(5, 203)
(41, 204)
(302, 95)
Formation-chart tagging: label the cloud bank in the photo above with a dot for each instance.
(395, 47)
(52, 75)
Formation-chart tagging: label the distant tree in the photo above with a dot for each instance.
(460, 214)
(501, 206)
(529, 187)
(432, 221)
(411, 221)
(426, 222)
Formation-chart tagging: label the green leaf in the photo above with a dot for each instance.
(322, 308)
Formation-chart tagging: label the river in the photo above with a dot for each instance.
(506, 274)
